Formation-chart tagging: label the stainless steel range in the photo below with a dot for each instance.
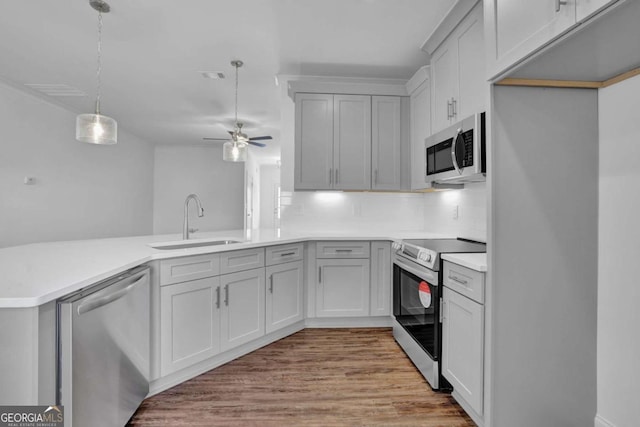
(417, 325)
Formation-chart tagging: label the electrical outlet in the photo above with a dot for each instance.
(455, 212)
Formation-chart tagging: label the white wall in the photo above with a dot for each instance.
(543, 256)
(81, 191)
(182, 170)
(618, 255)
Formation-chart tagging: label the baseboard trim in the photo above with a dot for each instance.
(349, 322)
(602, 422)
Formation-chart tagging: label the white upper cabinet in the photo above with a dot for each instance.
(518, 28)
(444, 77)
(314, 141)
(386, 147)
(333, 142)
(352, 142)
(419, 88)
(469, 42)
(457, 73)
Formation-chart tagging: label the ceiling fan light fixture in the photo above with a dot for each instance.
(233, 151)
(97, 128)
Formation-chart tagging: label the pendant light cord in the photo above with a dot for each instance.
(99, 68)
(237, 66)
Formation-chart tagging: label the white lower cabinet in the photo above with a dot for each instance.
(342, 287)
(189, 324)
(242, 308)
(463, 339)
(380, 279)
(284, 297)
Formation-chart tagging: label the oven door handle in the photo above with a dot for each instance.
(421, 272)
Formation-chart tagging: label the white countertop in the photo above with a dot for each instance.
(35, 274)
(476, 262)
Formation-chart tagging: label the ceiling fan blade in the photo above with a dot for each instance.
(260, 138)
(257, 144)
(216, 139)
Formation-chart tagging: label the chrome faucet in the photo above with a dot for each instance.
(185, 227)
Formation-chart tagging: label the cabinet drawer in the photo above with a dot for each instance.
(342, 250)
(183, 269)
(246, 259)
(284, 253)
(465, 281)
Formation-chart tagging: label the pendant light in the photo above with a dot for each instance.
(97, 128)
(235, 150)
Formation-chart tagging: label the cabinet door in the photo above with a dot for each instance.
(352, 142)
(519, 27)
(242, 314)
(386, 146)
(420, 130)
(444, 81)
(343, 287)
(380, 278)
(189, 323)
(462, 347)
(469, 37)
(284, 295)
(314, 142)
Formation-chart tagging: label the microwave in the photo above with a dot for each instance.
(457, 154)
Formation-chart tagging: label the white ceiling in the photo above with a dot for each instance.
(153, 51)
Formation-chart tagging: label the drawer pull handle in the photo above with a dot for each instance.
(457, 279)
(218, 297)
(344, 250)
(319, 274)
(288, 254)
(226, 295)
(271, 283)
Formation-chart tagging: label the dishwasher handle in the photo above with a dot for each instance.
(124, 287)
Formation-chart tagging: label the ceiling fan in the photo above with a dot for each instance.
(235, 150)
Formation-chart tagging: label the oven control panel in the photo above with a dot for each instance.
(425, 257)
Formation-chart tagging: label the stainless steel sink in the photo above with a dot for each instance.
(187, 245)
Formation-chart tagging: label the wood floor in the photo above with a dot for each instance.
(316, 377)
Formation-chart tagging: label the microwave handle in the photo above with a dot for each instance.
(453, 151)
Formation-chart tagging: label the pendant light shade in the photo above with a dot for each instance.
(96, 128)
(233, 151)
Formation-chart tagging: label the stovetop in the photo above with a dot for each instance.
(448, 245)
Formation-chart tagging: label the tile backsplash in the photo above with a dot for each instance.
(470, 205)
(328, 211)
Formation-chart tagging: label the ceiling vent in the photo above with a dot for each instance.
(216, 75)
(55, 89)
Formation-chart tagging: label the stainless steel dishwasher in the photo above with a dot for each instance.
(103, 350)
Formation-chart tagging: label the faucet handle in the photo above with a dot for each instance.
(193, 230)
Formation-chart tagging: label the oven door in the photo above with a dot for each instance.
(416, 304)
